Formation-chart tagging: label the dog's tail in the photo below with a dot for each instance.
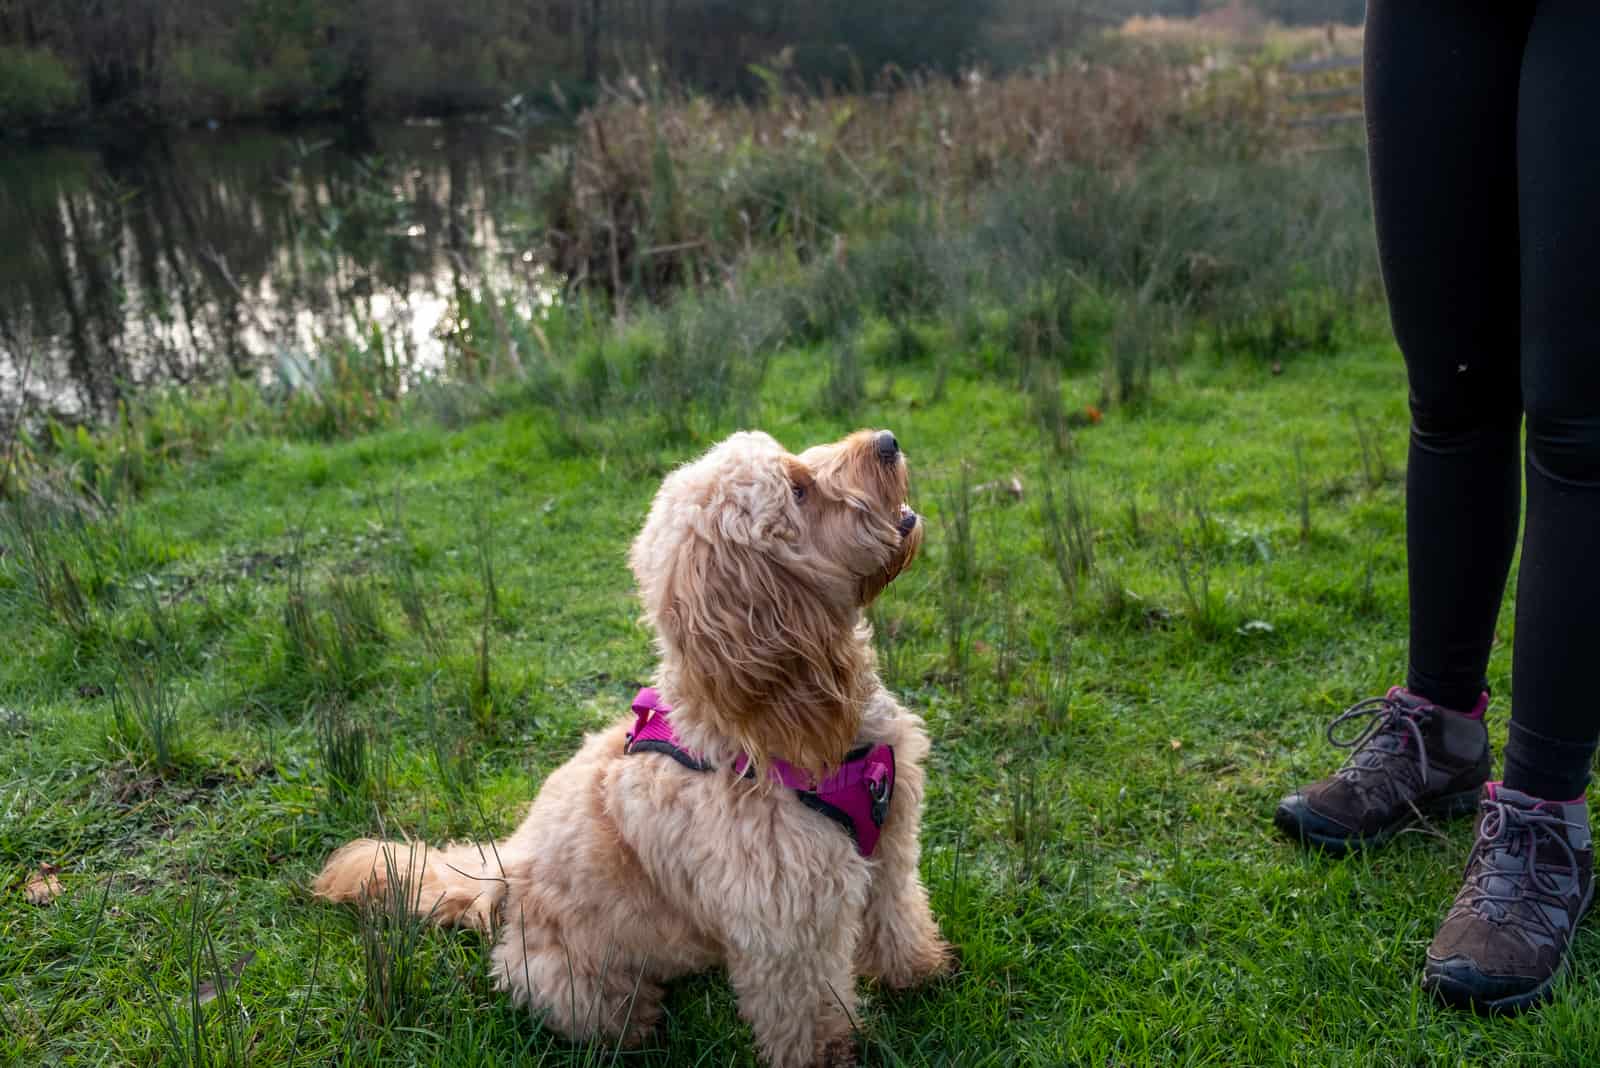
(459, 885)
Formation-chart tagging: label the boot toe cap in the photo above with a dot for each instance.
(1297, 817)
(1459, 981)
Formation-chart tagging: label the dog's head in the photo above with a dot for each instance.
(754, 565)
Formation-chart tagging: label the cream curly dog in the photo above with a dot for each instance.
(770, 825)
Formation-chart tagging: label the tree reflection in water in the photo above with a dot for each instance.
(193, 256)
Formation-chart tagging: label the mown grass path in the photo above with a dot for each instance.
(1098, 838)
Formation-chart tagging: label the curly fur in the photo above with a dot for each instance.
(754, 566)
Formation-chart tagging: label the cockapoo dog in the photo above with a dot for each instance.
(760, 809)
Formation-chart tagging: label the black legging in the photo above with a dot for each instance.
(1483, 119)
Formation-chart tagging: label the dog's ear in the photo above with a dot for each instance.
(801, 478)
(765, 660)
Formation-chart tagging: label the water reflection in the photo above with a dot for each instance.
(195, 256)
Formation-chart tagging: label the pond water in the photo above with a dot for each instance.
(155, 258)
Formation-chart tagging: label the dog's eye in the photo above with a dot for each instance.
(799, 492)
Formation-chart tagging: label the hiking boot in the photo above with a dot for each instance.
(1413, 760)
(1528, 882)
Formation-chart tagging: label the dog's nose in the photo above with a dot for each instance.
(888, 447)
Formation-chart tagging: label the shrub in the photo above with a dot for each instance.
(205, 81)
(35, 87)
(657, 185)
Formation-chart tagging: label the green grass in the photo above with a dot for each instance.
(409, 629)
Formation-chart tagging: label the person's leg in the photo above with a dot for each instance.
(1530, 876)
(1441, 94)
(1555, 706)
(1441, 87)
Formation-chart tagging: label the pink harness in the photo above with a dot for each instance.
(856, 796)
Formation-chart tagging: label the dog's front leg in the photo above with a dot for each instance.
(800, 1003)
(900, 942)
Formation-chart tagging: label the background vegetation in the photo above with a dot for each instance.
(67, 63)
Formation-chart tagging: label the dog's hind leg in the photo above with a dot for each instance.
(458, 885)
(581, 991)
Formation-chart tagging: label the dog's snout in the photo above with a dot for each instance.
(888, 447)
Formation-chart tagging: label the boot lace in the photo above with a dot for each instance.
(1512, 829)
(1391, 724)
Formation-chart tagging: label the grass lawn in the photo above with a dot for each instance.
(313, 627)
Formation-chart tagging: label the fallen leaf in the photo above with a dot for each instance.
(43, 887)
(1012, 486)
(1277, 367)
(1177, 743)
(1156, 616)
(207, 991)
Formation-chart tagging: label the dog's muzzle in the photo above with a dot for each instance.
(886, 446)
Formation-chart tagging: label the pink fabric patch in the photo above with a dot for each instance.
(648, 726)
(1480, 708)
(1493, 789)
(1477, 711)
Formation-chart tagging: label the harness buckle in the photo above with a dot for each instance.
(878, 789)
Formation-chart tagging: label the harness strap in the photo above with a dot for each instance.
(652, 733)
(856, 796)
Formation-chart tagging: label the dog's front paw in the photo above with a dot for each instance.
(913, 966)
(838, 1053)
(642, 1026)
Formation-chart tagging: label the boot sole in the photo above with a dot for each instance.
(1446, 807)
(1460, 995)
